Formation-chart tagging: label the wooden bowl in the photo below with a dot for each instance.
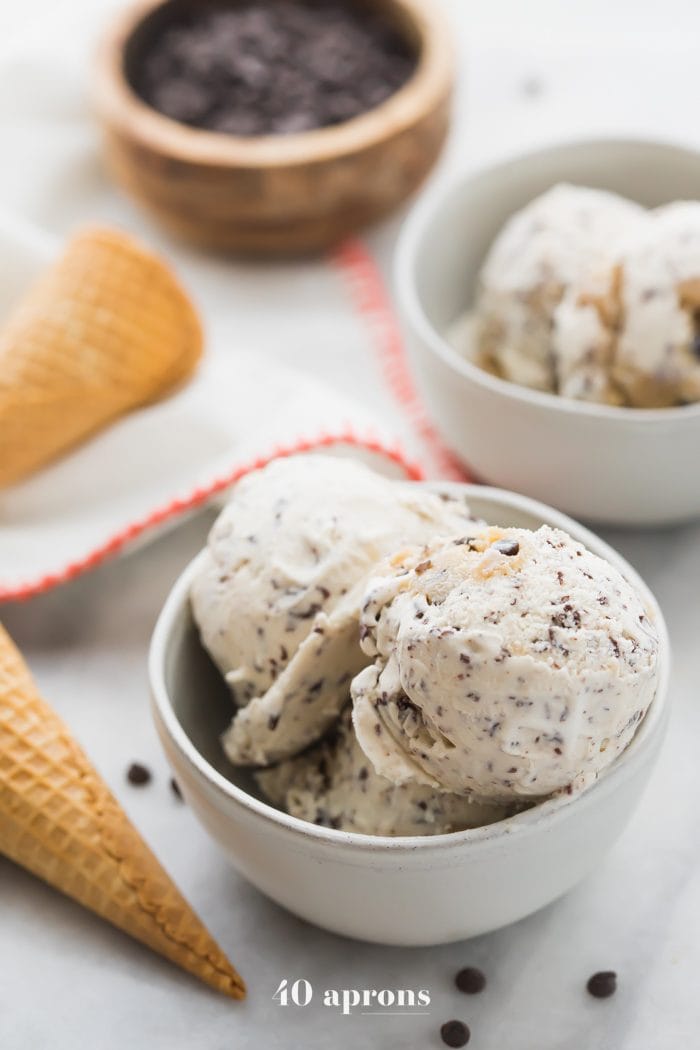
(274, 194)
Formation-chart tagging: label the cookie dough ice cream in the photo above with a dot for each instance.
(507, 666)
(334, 784)
(590, 296)
(631, 335)
(277, 598)
(542, 250)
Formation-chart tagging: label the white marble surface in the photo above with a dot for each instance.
(69, 981)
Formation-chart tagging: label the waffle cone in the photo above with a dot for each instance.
(105, 330)
(59, 820)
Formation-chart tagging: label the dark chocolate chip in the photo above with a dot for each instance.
(531, 87)
(508, 547)
(272, 67)
(455, 1033)
(138, 774)
(470, 981)
(175, 788)
(602, 984)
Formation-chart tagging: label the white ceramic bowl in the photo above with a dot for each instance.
(404, 891)
(614, 465)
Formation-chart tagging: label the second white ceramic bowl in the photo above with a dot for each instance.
(614, 465)
(402, 891)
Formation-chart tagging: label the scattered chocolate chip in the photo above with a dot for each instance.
(531, 87)
(470, 980)
(602, 984)
(175, 788)
(138, 774)
(508, 547)
(273, 722)
(455, 1033)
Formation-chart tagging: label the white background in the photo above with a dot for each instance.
(532, 72)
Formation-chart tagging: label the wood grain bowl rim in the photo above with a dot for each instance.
(122, 111)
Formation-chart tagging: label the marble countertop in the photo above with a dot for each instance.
(68, 980)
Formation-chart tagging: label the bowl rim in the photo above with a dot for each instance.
(118, 105)
(409, 245)
(540, 817)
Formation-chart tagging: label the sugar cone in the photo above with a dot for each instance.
(59, 820)
(105, 330)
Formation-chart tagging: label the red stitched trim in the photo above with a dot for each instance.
(200, 496)
(372, 301)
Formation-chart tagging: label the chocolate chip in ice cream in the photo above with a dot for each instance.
(470, 980)
(138, 774)
(602, 984)
(455, 1033)
(175, 788)
(508, 547)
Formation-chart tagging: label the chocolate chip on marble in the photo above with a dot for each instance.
(455, 1033)
(602, 984)
(531, 87)
(138, 774)
(471, 980)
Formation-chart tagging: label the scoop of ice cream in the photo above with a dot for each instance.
(583, 338)
(513, 665)
(657, 358)
(277, 598)
(540, 252)
(635, 330)
(334, 784)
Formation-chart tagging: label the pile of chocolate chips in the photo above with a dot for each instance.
(260, 67)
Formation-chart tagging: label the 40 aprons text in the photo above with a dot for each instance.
(301, 993)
